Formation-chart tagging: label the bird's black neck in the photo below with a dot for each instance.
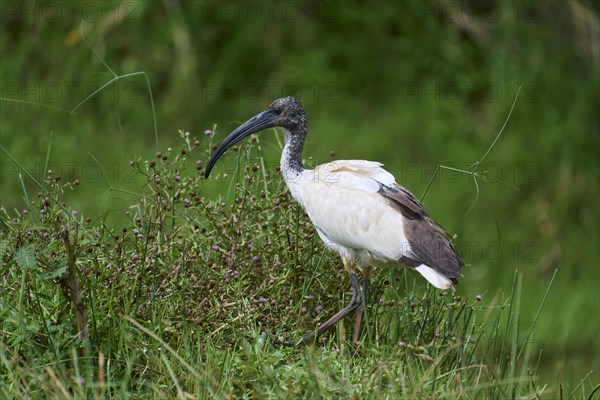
(291, 158)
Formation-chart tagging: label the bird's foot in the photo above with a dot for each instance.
(287, 343)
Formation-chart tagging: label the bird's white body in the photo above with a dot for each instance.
(341, 199)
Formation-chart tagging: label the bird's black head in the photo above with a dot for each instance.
(286, 113)
(290, 114)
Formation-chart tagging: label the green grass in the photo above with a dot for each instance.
(185, 299)
(529, 241)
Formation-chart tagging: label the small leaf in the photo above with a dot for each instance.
(25, 258)
(59, 272)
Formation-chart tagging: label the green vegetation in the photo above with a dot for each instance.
(185, 299)
(124, 273)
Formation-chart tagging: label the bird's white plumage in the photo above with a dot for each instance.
(352, 219)
(435, 278)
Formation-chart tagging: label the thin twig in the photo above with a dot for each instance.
(476, 164)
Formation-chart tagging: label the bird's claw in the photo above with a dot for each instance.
(287, 343)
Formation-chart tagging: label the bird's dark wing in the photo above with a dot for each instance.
(403, 200)
(429, 243)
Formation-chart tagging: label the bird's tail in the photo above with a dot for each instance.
(435, 278)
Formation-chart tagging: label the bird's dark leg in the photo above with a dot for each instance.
(361, 311)
(354, 303)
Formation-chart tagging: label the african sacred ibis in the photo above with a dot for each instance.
(358, 210)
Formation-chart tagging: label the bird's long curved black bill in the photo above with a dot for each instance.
(264, 120)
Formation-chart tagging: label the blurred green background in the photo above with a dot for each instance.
(411, 84)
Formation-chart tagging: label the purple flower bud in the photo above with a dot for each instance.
(319, 309)
(43, 212)
(402, 343)
(216, 248)
(177, 178)
(303, 310)
(277, 263)
(263, 300)
(199, 162)
(255, 258)
(208, 132)
(75, 213)
(478, 297)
